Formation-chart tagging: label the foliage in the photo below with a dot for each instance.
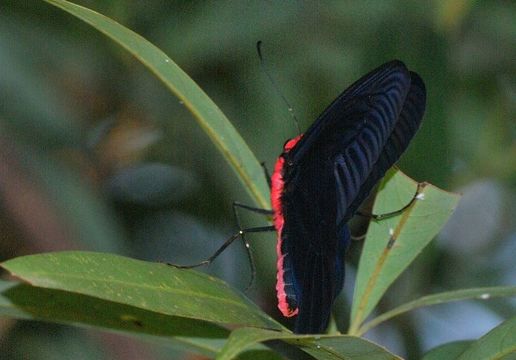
(192, 311)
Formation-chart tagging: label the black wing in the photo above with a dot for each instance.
(406, 127)
(328, 172)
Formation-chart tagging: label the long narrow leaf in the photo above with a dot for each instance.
(393, 243)
(206, 112)
(441, 298)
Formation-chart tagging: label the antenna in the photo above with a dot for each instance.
(275, 85)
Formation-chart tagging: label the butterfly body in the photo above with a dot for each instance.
(322, 177)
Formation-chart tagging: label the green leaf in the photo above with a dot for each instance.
(449, 351)
(441, 298)
(33, 303)
(496, 344)
(320, 347)
(393, 243)
(148, 286)
(206, 112)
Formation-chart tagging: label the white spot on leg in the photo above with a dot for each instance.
(420, 196)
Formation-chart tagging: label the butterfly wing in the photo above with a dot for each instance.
(406, 127)
(325, 173)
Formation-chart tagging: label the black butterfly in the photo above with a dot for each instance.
(323, 176)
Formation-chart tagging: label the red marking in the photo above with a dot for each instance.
(291, 143)
(277, 184)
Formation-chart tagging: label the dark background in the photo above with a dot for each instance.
(96, 154)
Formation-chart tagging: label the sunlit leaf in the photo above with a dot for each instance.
(393, 243)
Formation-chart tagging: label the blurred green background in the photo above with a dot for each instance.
(96, 154)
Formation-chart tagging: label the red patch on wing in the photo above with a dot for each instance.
(277, 184)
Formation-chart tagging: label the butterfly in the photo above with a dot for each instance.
(323, 175)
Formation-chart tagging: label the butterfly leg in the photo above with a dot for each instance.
(236, 205)
(267, 174)
(240, 234)
(378, 217)
(247, 247)
(223, 247)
